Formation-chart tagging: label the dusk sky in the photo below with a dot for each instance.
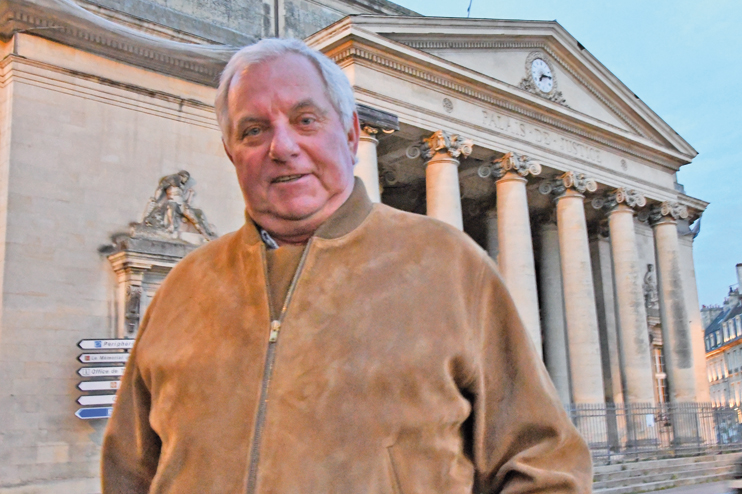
(683, 59)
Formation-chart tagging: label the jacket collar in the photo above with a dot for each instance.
(343, 221)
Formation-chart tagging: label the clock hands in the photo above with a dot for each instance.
(544, 76)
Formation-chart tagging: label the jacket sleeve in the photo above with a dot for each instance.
(131, 449)
(523, 440)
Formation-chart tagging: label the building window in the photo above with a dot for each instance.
(660, 376)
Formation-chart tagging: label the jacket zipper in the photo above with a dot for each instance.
(270, 358)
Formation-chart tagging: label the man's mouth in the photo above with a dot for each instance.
(287, 178)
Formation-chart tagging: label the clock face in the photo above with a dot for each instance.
(542, 76)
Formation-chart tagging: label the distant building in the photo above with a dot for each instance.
(723, 339)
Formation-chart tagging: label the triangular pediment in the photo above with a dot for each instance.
(504, 51)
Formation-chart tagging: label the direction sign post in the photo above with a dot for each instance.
(101, 371)
(99, 385)
(103, 358)
(106, 344)
(94, 413)
(96, 400)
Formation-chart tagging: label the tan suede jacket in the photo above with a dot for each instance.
(398, 366)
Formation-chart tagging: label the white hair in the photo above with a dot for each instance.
(337, 86)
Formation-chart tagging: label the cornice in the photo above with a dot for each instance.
(375, 57)
(422, 45)
(93, 87)
(66, 22)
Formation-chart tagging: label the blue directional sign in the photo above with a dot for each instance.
(94, 413)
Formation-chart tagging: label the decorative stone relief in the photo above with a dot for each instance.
(442, 141)
(169, 210)
(142, 257)
(578, 182)
(621, 195)
(651, 293)
(530, 84)
(667, 209)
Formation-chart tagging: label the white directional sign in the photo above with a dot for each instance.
(100, 358)
(97, 400)
(99, 385)
(110, 344)
(101, 371)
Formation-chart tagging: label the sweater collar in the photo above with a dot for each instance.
(347, 218)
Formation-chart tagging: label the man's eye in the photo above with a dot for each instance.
(307, 120)
(251, 132)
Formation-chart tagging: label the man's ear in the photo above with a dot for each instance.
(226, 150)
(354, 134)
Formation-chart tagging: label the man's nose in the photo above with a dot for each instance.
(284, 145)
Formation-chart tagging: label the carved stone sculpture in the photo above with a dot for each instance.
(511, 162)
(651, 295)
(170, 207)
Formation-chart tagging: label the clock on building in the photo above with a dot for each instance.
(542, 75)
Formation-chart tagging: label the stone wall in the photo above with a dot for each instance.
(86, 151)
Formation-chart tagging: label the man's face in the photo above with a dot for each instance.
(294, 159)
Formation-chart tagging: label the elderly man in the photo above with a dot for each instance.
(330, 345)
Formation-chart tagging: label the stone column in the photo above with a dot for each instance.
(556, 357)
(676, 337)
(441, 151)
(579, 296)
(694, 316)
(372, 121)
(367, 167)
(514, 236)
(493, 242)
(633, 334)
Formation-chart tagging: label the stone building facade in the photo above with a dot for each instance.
(509, 130)
(723, 343)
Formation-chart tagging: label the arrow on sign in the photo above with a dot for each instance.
(101, 371)
(90, 358)
(94, 413)
(96, 400)
(109, 344)
(98, 385)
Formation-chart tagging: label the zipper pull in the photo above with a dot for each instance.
(275, 326)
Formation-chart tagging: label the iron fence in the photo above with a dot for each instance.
(617, 432)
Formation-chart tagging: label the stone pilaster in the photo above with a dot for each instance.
(579, 296)
(515, 255)
(633, 335)
(677, 346)
(441, 152)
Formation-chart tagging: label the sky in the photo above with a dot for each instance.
(684, 60)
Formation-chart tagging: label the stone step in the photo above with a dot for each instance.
(652, 477)
(657, 470)
(666, 484)
(727, 458)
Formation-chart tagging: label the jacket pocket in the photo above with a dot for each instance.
(393, 471)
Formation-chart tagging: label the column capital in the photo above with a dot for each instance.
(379, 120)
(518, 164)
(667, 211)
(370, 130)
(444, 142)
(619, 199)
(569, 181)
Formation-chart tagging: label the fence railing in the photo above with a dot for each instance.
(617, 432)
